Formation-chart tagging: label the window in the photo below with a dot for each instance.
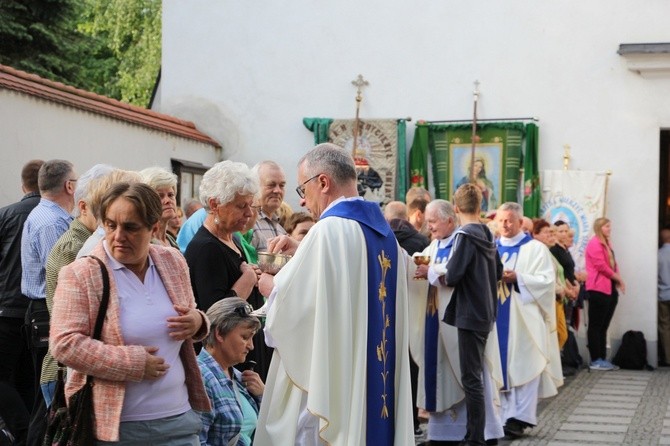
(189, 175)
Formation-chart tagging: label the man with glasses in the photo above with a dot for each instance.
(337, 318)
(43, 227)
(273, 186)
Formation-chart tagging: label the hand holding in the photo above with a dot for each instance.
(253, 383)
(509, 276)
(154, 366)
(266, 284)
(186, 325)
(421, 272)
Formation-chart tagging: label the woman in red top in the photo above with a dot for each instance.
(603, 284)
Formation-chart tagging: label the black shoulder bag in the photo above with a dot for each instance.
(73, 425)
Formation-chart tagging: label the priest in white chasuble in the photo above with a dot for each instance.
(434, 344)
(526, 322)
(337, 319)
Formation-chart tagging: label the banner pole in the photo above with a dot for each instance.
(474, 132)
(607, 185)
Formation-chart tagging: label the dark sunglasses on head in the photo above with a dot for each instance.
(243, 310)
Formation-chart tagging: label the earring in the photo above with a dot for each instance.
(217, 221)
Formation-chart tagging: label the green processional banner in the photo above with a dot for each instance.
(380, 153)
(497, 159)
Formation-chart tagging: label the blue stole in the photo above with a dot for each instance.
(432, 334)
(508, 256)
(382, 254)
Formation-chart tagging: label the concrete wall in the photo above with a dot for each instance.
(34, 128)
(248, 72)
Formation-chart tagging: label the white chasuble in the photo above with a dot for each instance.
(318, 324)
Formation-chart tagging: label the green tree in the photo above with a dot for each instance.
(41, 37)
(131, 30)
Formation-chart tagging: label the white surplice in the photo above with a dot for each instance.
(448, 420)
(533, 350)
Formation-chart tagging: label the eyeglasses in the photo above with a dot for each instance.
(301, 189)
(73, 180)
(244, 310)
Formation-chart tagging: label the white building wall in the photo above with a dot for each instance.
(32, 128)
(248, 72)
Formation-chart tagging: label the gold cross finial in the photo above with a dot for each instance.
(566, 156)
(359, 83)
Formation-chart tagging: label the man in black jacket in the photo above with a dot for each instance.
(16, 367)
(473, 269)
(408, 237)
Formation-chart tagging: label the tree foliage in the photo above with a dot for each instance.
(131, 30)
(108, 47)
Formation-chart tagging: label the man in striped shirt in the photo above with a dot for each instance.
(45, 224)
(273, 186)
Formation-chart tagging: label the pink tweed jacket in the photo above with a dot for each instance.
(110, 361)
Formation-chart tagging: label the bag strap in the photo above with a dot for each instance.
(102, 311)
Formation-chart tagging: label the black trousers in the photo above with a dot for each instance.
(16, 378)
(471, 354)
(601, 310)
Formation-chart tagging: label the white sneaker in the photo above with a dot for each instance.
(599, 364)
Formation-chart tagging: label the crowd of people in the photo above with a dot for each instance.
(380, 318)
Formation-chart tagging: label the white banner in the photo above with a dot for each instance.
(576, 197)
(376, 154)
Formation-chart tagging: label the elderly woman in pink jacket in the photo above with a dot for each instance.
(146, 379)
(603, 284)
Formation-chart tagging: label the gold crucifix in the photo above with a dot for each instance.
(359, 83)
(566, 156)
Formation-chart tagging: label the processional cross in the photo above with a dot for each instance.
(474, 132)
(359, 83)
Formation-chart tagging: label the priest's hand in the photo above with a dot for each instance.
(283, 244)
(509, 276)
(421, 272)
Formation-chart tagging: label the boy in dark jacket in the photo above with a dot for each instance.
(473, 269)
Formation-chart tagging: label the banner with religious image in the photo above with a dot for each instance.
(497, 159)
(379, 153)
(576, 197)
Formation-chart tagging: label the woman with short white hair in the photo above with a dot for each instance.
(165, 184)
(218, 264)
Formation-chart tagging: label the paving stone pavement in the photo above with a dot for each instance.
(625, 407)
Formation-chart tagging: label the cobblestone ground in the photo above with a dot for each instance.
(619, 407)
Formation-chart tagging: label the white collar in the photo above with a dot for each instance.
(504, 241)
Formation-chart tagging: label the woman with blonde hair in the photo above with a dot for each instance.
(603, 284)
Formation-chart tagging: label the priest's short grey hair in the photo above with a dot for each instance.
(224, 319)
(158, 178)
(332, 160)
(512, 207)
(225, 180)
(444, 209)
(86, 183)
